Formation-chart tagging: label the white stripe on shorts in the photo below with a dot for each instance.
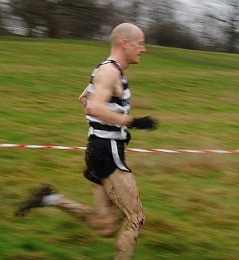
(116, 157)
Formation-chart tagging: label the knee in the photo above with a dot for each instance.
(108, 227)
(141, 221)
(138, 222)
(107, 233)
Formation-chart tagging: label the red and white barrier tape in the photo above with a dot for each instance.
(81, 148)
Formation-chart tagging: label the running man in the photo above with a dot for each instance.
(107, 103)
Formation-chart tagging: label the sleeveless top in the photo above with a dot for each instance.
(121, 104)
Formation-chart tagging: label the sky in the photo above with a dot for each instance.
(188, 2)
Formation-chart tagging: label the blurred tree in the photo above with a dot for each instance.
(89, 19)
(134, 12)
(61, 18)
(79, 18)
(231, 25)
(164, 27)
(226, 14)
(1, 17)
(38, 16)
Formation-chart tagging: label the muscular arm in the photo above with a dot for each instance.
(104, 82)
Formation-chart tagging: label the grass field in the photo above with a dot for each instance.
(190, 200)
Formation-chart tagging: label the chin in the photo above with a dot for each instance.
(136, 61)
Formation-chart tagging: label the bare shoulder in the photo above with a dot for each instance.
(105, 81)
(107, 73)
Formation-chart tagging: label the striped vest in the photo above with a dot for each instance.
(118, 104)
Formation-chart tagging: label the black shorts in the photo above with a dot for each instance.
(103, 157)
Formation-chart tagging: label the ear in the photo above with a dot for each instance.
(124, 44)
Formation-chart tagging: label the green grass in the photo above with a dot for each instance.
(190, 200)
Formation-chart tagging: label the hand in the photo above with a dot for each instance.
(146, 122)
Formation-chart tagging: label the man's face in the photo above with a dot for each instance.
(136, 47)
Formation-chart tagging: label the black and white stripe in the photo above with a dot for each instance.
(116, 156)
(118, 104)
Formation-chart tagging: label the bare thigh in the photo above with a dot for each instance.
(122, 190)
(103, 205)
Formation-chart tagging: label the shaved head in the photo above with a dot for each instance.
(124, 31)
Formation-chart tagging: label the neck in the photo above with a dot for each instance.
(118, 57)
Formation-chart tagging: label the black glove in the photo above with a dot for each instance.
(146, 122)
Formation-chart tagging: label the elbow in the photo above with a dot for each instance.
(82, 100)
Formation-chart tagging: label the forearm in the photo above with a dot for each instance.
(103, 113)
